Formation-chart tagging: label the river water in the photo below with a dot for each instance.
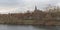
(28, 27)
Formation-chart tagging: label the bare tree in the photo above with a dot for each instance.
(51, 8)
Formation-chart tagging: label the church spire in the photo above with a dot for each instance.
(35, 8)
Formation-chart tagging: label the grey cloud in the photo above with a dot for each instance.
(26, 4)
(9, 3)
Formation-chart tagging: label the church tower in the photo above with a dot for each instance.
(35, 8)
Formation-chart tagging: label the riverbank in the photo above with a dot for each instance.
(8, 19)
(36, 17)
(32, 22)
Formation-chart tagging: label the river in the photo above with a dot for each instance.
(28, 27)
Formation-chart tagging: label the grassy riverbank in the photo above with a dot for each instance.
(37, 17)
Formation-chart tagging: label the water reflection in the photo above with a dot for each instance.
(48, 27)
(28, 27)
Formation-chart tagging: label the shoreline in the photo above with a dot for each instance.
(30, 24)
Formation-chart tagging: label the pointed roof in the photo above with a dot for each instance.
(35, 7)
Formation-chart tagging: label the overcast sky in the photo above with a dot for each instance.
(24, 5)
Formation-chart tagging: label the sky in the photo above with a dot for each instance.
(15, 6)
